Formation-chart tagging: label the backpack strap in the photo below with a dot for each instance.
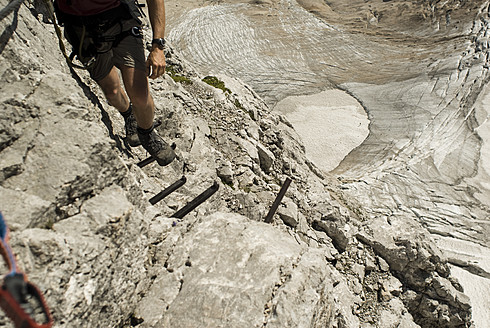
(56, 14)
(135, 31)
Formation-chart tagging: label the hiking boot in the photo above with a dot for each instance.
(154, 144)
(131, 128)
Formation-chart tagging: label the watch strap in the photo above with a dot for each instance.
(160, 42)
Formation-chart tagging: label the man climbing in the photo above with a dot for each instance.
(106, 34)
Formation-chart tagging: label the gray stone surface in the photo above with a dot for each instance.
(246, 284)
(84, 231)
(420, 71)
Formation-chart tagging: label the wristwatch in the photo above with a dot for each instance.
(160, 42)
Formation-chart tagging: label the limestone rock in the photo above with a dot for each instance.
(289, 213)
(84, 231)
(410, 252)
(266, 158)
(225, 172)
(397, 317)
(341, 236)
(392, 286)
(250, 149)
(214, 283)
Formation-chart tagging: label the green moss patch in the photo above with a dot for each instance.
(181, 79)
(170, 69)
(217, 83)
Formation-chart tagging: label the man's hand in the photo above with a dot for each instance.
(155, 64)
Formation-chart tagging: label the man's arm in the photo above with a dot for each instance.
(155, 63)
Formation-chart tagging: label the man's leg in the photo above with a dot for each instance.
(113, 91)
(115, 95)
(138, 89)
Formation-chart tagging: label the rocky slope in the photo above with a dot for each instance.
(419, 69)
(84, 231)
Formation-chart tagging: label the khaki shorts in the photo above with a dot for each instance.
(129, 52)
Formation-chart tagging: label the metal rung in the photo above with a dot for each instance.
(196, 201)
(167, 191)
(275, 205)
(146, 161)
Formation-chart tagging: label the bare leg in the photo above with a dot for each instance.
(138, 89)
(112, 89)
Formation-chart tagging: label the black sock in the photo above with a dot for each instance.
(128, 112)
(145, 131)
